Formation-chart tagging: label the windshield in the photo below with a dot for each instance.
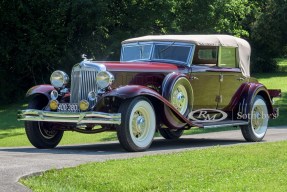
(158, 51)
(136, 52)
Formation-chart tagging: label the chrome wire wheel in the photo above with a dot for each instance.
(179, 98)
(259, 117)
(142, 124)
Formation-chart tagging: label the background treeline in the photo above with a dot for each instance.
(39, 36)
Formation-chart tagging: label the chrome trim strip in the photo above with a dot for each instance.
(76, 117)
(225, 125)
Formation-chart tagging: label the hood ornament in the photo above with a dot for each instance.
(84, 56)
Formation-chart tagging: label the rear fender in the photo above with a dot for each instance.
(130, 91)
(244, 97)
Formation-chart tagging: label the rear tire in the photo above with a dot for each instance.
(258, 124)
(170, 134)
(138, 124)
(41, 134)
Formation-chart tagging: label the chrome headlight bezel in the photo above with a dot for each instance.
(59, 79)
(104, 79)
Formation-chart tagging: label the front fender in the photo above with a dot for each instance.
(131, 91)
(40, 89)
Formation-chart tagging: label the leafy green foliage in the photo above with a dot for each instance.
(269, 33)
(37, 37)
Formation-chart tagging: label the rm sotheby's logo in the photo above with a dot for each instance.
(207, 115)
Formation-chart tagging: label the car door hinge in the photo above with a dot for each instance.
(221, 77)
(218, 98)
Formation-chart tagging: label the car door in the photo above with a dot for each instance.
(206, 88)
(205, 77)
(231, 76)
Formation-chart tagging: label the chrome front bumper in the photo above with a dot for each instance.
(69, 117)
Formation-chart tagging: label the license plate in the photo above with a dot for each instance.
(68, 107)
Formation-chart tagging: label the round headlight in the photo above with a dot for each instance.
(104, 79)
(59, 79)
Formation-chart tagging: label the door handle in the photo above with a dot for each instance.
(240, 79)
(194, 78)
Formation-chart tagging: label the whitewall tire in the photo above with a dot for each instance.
(138, 124)
(258, 122)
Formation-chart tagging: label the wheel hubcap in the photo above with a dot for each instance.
(179, 99)
(259, 118)
(139, 125)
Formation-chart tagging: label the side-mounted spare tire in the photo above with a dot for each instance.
(178, 91)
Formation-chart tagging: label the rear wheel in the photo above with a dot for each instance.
(138, 124)
(258, 122)
(170, 134)
(41, 134)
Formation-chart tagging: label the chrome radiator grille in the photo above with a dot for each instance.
(83, 80)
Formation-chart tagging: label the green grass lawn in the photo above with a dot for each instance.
(257, 167)
(276, 81)
(12, 132)
(282, 63)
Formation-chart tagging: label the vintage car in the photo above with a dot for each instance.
(165, 83)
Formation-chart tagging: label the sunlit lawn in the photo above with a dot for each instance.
(256, 167)
(276, 81)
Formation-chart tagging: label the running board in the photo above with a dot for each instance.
(226, 123)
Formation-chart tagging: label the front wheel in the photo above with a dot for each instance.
(138, 124)
(258, 123)
(41, 134)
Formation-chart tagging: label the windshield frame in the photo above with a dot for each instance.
(153, 44)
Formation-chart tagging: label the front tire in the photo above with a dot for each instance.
(258, 123)
(41, 134)
(138, 125)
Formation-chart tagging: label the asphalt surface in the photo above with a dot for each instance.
(25, 161)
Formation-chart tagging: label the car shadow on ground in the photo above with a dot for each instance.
(109, 148)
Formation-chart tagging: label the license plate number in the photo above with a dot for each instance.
(69, 107)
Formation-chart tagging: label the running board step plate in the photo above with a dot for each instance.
(226, 123)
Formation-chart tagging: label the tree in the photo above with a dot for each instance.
(268, 35)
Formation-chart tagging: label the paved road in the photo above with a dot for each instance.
(18, 162)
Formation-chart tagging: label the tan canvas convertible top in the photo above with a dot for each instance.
(244, 50)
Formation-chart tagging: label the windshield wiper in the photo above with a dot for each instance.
(166, 47)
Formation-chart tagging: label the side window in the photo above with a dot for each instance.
(205, 55)
(227, 57)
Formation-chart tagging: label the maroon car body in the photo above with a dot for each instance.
(162, 83)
